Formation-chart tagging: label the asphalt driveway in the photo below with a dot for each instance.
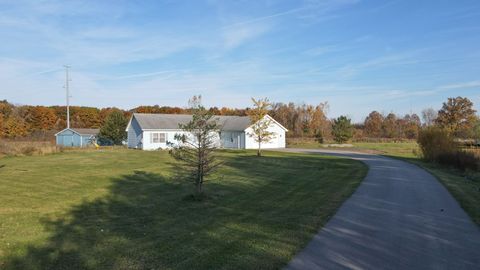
(400, 217)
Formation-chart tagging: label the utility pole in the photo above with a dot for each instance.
(67, 80)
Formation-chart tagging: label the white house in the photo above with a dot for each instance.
(153, 131)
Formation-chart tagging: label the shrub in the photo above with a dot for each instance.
(27, 148)
(319, 137)
(461, 160)
(435, 142)
(438, 145)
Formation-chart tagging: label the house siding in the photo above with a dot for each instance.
(278, 140)
(134, 138)
(232, 139)
(170, 137)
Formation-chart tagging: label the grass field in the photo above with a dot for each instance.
(403, 149)
(127, 209)
(464, 186)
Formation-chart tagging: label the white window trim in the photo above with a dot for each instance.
(156, 137)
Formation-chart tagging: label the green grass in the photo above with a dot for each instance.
(402, 149)
(464, 186)
(126, 209)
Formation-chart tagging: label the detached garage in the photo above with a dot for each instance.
(76, 137)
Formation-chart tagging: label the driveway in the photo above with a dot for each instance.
(400, 217)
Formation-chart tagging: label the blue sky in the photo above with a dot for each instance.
(391, 56)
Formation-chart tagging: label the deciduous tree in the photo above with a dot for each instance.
(429, 116)
(42, 118)
(15, 127)
(373, 125)
(390, 126)
(457, 116)
(260, 123)
(410, 126)
(477, 129)
(1, 125)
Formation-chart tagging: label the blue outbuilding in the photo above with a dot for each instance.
(76, 137)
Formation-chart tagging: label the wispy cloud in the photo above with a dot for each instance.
(471, 84)
(262, 18)
(236, 36)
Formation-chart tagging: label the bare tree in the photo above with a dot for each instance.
(197, 145)
(260, 123)
(429, 116)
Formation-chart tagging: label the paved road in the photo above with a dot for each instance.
(400, 217)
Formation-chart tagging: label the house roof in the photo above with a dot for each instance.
(171, 121)
(82, 131)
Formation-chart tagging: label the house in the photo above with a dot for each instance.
(153, 131)
(76, 137)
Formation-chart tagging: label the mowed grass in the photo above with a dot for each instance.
(464, 186)
(403, 149)
(127, 209)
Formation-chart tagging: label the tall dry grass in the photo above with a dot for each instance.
(27, 148)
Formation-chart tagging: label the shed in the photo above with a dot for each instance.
(76, 137)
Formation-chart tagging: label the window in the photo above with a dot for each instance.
(158, 138)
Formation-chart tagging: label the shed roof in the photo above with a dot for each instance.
(82, 131)
(171, 121)
(86, 131)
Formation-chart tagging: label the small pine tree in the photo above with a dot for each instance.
(342, 129)
(197, 145)
(113, 130)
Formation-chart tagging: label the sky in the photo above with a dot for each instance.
(396, 56)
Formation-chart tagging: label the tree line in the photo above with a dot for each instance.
(302, 120)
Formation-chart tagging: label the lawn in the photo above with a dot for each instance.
(402, 149)
(127, 209)
(464, 186)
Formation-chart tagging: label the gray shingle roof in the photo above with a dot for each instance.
(171, 121)
(86, 131)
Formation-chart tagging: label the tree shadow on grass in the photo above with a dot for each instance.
(145, 222)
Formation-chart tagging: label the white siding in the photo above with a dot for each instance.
(233, 139)
(170, 137)
(277, 142)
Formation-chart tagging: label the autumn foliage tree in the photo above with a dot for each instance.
(260, 123)
(14, 127)
(373, 125)
(457, 116)
(42, 118)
